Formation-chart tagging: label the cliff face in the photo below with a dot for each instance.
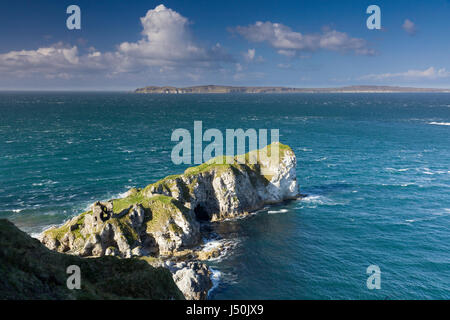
(31, 271)
(162, 220)
(164, 217)
(215, 192)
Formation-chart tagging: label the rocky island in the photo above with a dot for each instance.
(160, 223)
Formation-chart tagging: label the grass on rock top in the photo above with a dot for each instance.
(161, 206)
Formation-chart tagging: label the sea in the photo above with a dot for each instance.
(374, 169)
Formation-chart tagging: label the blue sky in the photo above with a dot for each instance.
(127, 44)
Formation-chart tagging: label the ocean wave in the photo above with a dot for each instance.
(121, 195)
(244, 216)
(432, 172)
(46, 227)
(397, 170)
(440, 123)
(36, 235)
(215, 279)
(277, 211)
(314, 200)
(223, 246)
(45, 183)
(408, 184)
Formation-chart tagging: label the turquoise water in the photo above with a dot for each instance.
(375, 167)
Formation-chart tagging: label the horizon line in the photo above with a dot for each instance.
(219, 85)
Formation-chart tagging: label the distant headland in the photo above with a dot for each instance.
(233, 89)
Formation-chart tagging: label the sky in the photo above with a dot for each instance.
(123, 45)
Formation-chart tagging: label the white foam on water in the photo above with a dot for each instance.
(223, 245)
(212, 244)
(427, 171)
(277, 211)
(215, 279)
(244, 216)
(40, 235)
(36, 236)
(312, 201)
(121, 195)
(397, 170)
(410, 220)
(440, 123)
(408, 184)
(17, 210)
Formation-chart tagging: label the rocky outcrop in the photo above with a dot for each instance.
(216, 191)
(192, 278)
(31, 271)
(128, 227)
(163, 219)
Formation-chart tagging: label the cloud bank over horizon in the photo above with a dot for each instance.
(166, 47)
(430, 73)
(169, 50)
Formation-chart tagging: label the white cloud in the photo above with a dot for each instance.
(55, 61)
(28, 59)
(250, 54)
(166, 44)
(409, 27)
(287, 53)
(289, 42)
(431, 74)
(168, 41)
(284, 65)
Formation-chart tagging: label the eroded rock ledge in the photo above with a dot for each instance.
(162, 221)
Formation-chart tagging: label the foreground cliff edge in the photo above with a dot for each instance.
(161, 222)
(31, 271)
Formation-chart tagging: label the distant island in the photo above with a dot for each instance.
(232, 89)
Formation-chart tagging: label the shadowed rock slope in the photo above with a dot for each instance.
(31, 271)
